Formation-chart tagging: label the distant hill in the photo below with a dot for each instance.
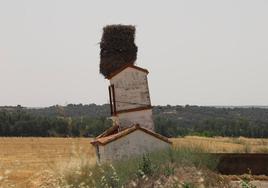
(171, 121)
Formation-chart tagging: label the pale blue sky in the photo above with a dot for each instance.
(203, 52)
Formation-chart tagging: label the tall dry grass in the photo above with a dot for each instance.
(29, 159)
(144, 171)
(223, 144)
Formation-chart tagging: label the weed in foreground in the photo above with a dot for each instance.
(151, 167)
(246, 184)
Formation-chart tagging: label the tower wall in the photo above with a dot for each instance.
(131, 89)
(143, 118)
(131, 98)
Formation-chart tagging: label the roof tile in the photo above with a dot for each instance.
(107, 139)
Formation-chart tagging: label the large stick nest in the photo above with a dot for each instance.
(117, 48)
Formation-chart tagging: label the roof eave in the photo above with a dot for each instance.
(123, 68)
(132, 129)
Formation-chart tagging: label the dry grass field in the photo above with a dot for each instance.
(223, 144)
(24, 161)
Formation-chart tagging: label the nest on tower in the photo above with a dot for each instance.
(117, 48)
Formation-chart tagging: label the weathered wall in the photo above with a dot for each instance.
(100, 154)
(135, 143)
(131, 89)
(143, 118)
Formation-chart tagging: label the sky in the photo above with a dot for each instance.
(198, 52)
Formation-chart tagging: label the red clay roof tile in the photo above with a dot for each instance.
(107, 139)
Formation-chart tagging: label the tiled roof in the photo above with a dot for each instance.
(107, 139)
(112, 130)
(124, 67)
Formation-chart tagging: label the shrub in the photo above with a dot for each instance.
(109, 177)
(145, 167)
(169, 170)
(151, 165)
(246, 184)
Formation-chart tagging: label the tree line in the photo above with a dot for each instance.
(174, 121)
(22, 123)
(171, 121)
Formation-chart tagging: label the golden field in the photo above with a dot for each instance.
(223, 144)
(24, 162)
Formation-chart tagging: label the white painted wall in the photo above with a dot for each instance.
(144, 118)
(133, 144)
(131, 89)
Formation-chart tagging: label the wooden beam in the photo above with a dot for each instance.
(114, 103)
(111, 102)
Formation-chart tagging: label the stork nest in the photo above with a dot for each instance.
(117, 48)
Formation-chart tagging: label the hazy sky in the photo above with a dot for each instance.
(203, 52)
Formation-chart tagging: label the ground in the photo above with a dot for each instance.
(28, 162)
(23, 159)
(224, 144)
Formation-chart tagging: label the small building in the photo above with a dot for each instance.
(132, 133)
(132, 141)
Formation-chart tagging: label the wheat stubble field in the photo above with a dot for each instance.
(24, 162)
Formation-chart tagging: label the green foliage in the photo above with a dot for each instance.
(188, 185)
(109, 177)
(245, 183)
(168, 170)
(146, 166)
(150, 165)
(174, 121)
(171, 121)
(22, 123)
